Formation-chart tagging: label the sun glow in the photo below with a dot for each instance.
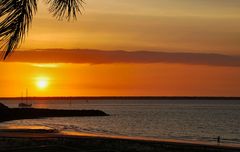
(46, 65)
(42, 83)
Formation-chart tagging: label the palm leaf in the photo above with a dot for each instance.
(65, 8)
(16, 17)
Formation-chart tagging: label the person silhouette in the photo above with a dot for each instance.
(219, 140)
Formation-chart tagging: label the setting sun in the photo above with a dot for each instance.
(42, 84)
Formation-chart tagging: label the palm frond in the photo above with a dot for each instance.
(16, 17)
(65, 8)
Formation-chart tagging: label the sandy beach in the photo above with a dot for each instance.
(44, 139)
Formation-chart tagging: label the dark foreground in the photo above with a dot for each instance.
(7, 114)
(102, 144)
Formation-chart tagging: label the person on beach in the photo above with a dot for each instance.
(219, 140)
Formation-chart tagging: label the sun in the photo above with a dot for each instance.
(42, 84)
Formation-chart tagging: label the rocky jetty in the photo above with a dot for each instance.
(7, 114)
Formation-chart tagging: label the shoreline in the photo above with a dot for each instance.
(149, 139)
(81, 140)
(9, 114)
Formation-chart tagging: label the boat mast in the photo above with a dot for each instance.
(26, 96)
(21, 96)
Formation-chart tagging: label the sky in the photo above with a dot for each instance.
(133, 48)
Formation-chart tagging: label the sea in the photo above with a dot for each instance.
(188, 120)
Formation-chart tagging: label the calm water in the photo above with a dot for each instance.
(199, 120)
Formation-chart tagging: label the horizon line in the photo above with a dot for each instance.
(125, 97)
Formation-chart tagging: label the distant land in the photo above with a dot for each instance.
(124, 98)
(8, 114)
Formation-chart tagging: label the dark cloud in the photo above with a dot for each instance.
(107, 57)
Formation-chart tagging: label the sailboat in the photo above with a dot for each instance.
(25, 104)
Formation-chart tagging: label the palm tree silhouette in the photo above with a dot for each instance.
(16, 17)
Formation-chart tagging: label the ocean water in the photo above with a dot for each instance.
(196, 120)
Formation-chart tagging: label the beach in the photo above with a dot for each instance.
(191, 120)
(132, 125)
(44, 139)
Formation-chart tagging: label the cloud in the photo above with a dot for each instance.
(79, 56)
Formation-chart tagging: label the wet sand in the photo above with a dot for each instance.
(44, 139)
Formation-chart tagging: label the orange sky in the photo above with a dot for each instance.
(204, 26)
(120, 79)
(186, 25)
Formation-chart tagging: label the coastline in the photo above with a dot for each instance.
(8, 114)
(94, 142)
(35, 138)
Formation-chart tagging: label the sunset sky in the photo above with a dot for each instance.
(168, 48)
